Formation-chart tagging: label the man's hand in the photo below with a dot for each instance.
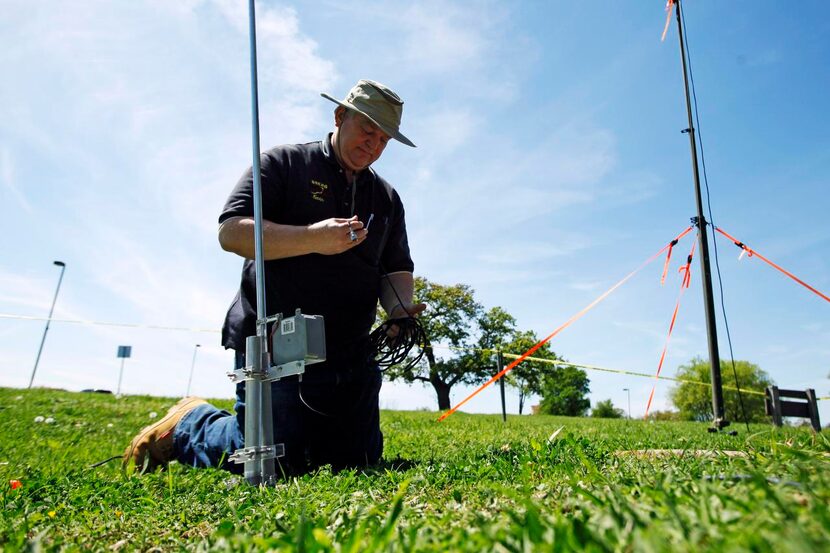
(333, 236)
(408, 310)
(399, 312)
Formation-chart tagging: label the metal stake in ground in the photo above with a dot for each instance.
(719, 420)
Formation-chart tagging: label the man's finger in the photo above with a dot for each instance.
(417, 309)
(393, 331)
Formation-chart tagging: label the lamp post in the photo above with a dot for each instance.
(124, 353)
(629, 401)
(62, 265)
(192, 366)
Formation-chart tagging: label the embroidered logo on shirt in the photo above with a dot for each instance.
(318, 190)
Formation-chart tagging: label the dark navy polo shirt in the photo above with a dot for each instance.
(303, 184)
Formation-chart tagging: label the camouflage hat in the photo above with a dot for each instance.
(377, 102)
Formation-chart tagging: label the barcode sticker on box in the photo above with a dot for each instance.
(287, 326)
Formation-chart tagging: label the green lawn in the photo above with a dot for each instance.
(471, 483)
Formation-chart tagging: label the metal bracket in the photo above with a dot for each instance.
(247, 454)
(271, 373)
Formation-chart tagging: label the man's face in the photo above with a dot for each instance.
(360, 142)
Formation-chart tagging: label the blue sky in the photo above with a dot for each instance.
(550, 164)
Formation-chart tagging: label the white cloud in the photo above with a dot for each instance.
(587, 286)
(7, 178)
(24, 292)
(439, 37)
(532, 253)
(445, 129)
(483, 211)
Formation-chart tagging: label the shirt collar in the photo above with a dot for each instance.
(328, 150)
(328, 153)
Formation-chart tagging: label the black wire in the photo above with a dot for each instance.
(711, 219)
(105, 461)
(389, 348)
(304, 402)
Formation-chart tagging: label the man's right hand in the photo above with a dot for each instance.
(333, 236)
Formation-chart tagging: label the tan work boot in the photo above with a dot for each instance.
(154, 444)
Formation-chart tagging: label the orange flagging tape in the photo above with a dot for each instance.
(567, 323)
(672, 244)
(754, 253)
(684, 284)
(669, 5)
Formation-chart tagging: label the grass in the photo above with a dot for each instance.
(471, 483)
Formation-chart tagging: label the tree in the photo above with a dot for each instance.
(606, 410)
(475, 336)
(694, 402)
(527, 377)
(454, 317)
(564, 391)
(664, 415)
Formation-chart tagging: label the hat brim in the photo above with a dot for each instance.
(397, 135)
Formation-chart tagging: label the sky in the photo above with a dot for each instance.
(550, 164)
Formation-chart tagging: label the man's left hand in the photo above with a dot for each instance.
(404, 310)
(407, 310)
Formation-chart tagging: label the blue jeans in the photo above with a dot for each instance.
(330, 417)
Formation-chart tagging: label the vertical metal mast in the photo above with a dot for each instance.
(258, 428)
(708, 297)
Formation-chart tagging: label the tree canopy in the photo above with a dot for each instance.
(564, 392)
(694, 402)
(456, 319)
(606, 410)
(452, 319)
(528, 376)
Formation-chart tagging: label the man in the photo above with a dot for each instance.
(334, 244)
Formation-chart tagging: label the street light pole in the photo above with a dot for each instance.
(629, 401)
(192, 366)
(62, 265)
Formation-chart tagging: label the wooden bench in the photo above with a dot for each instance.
(777, 408)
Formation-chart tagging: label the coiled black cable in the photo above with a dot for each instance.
(389, 348)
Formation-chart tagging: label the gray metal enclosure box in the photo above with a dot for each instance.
(299, 338)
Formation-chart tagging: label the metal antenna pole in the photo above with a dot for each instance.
(257, 392)
(192, 366)
(708, 296)
(499, 366)
(120, 377)
(629, 401)
(62, 265)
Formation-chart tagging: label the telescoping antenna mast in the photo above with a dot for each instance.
(259, 451)
(300, 340)
(719, 420)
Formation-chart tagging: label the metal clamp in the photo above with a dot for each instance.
(270, 374)
(255, 453)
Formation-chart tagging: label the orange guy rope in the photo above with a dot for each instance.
(684, 284)
(752, 252)
(567, 323)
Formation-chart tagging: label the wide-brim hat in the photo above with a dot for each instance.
(379, 104)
